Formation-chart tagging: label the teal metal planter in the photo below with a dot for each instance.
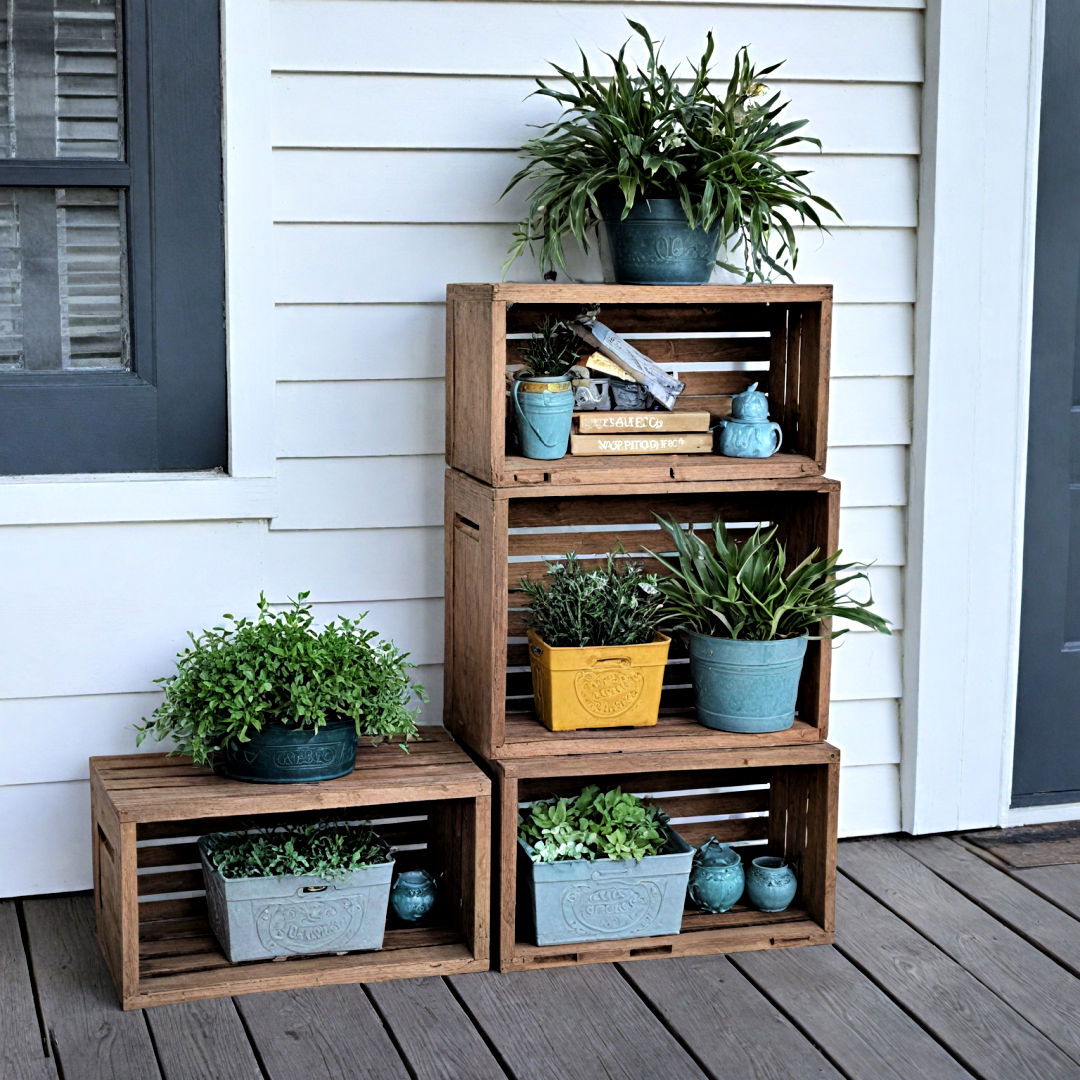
(746, 686)
(284, 754)
(770, 884)
(609, 899)
(262, 918)
(654, 245)
(544, 409)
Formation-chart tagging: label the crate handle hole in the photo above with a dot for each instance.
(655, 950)
(104, 841)
(466, 524)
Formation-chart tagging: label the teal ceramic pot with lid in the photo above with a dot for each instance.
(717, 878)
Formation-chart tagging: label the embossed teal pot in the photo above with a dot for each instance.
(717, 879)
(261, 918)
(284, 754)
(608, 899)
(413, 895)
(746, 686)
(655, 245)
(543, 408)
(770, 884)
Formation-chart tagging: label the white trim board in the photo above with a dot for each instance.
(1040, 815)
(968, 454)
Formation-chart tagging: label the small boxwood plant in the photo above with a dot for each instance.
(279, 666)
(616, 603)
(326, 850)
(596, 825)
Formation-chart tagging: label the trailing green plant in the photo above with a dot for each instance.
(279, 666)
(651, 133)
(596, 825)
(326, 850)
(553, 350)
(753, 591)
(616, 603)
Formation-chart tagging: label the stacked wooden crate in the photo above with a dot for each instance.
(506, 514)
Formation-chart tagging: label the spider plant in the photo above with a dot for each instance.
(655, 133)
(753, 591)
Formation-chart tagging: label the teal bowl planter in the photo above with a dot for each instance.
(609, 899)
(770, 884)
(655, 245)
(282, 754)
(262, 918)
(544, 409)
(746, 686)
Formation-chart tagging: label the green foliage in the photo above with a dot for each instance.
(655, 134)
(325, 850)
(747, 591)
(596, 825)
(615, 604)
(554, 349)
(280, 667)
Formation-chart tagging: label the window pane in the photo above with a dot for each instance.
(63, 280)
(60, 94)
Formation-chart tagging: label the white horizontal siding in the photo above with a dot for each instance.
(395, 127)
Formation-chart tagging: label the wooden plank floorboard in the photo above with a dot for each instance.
(711, 1006)
(93, 1039)
(1003, 896)
(200, 1040)
(22, 1050)
(321, 1033)
(987, 1034)
(434, 1034)
(1059, 884)
(1036, 986)
(858, 1026)
(583, 1023)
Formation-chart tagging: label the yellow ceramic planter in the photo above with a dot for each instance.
(601, 687)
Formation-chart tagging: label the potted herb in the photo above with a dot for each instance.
(542, 392)
(597, 656)
(297, 889)
(749, 611)
(276, 699)
(576, 853)
(673, 169)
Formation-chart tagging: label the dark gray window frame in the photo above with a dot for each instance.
(170, 411)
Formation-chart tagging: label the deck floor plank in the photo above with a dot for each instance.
(197, 1040)
(22, 1053)
(711, 1005)
(321, 1033)
(433, 1032)
(93, 1039)
(1003, 896)
(1059, 884)
(985, 1032)
(584, 1023)
(1038, 988)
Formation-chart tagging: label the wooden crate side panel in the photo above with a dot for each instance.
(475, 389)
(108, 882)
(815, 338)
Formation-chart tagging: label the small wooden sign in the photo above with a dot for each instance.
(617, 423)
(593, 445)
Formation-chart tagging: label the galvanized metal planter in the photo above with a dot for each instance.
(283, 754)
(263, 918)
(609, 899)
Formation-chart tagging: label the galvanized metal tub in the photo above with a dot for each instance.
(262, 918)
(609, 899)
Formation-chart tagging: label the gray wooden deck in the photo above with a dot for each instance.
(949, 963)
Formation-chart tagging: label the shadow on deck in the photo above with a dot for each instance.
(953, 959)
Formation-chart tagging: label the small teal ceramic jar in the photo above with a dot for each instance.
(413, 895)
(748, 432)
(770, 883)
(717, 879)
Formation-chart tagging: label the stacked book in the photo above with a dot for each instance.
(598, 433)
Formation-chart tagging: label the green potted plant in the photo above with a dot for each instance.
(671, 167)
(542, 393)
(276, 699)
(748, 611)
(296, 889)
(602, 866)
(597, 656)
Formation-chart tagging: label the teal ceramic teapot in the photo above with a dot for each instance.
(748, 432)
(717, 879)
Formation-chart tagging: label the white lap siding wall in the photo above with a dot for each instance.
(394, 125)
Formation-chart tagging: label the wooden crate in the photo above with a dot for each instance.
(495, 536)
(773, 800)
(718, 338)
(149, 809)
